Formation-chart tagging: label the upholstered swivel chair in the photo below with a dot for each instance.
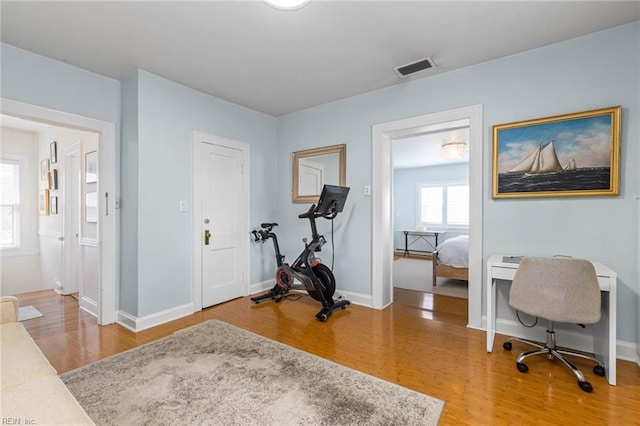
(558, 289)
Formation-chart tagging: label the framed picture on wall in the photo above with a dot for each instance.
(54, 179)
(43, 202)
(53, 205)
(53, 152)
(562, 156)
(91, 207)
(44, 170)
(91, 167)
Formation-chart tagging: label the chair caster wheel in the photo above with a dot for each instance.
(507, 346)
(522, 367)
(322, 317)
(598, 370)
(585, 386)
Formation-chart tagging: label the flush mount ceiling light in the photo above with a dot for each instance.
(454, 150)
(287, 4)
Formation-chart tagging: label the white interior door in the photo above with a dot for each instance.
(223, 233)
(71, 221)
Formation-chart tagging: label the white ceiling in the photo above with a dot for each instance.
(280, 62)
(424, 150)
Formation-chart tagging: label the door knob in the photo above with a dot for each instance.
(207, 235)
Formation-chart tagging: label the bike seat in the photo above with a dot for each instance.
(268, 225)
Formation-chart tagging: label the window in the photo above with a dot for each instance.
(9, 203)
(444, 204)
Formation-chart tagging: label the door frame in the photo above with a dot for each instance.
(198, 189)
(382, 203)
(109, 221)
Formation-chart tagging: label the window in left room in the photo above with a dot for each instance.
(9, 203)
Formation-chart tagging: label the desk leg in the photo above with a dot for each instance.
(613, 335)
(406, 244)
(604, 336)
(491, 311)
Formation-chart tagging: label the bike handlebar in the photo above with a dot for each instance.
(312, 213)
(309, 212)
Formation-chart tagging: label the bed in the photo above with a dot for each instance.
(451, 259)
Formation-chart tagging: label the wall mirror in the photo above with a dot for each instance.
(312, 168)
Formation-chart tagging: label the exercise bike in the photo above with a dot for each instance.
(315, 277)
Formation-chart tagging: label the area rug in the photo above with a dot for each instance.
(28, 312)
(416, 274)
(217, 374)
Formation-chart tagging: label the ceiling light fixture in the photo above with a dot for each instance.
(454, 150)
(287, 4)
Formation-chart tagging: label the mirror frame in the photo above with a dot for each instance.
(341, 150)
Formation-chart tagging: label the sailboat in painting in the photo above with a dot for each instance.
(543, 160)
(571, 165)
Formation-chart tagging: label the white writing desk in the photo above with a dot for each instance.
(604, 334)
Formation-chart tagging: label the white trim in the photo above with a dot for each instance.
(137, 324)
(261, 286)
(90, 306)
(196, 166)
(355, 298)
(109, 223)
(382, 202)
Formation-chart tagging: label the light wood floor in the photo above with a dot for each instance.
(420, 342)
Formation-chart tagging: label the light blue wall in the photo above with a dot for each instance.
(168, 113)
(38, 80)
(405, 197)
(595, 71)
(129, 206)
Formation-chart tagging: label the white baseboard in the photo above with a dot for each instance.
(137, 324)
(626, 351)
(261, 286)
(355, 298)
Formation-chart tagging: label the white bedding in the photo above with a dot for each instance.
(454, 252)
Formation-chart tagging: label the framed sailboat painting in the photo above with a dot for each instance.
(562, 156)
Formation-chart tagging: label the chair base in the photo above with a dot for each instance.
(552, 352)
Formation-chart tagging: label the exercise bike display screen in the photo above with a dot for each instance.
(332, 199)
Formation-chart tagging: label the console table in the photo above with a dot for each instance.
(419, 235)
(604, 331)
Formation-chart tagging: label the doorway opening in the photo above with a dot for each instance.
(431, 221)
(383, 214)
(104, 241)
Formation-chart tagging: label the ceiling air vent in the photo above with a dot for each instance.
(414, 67)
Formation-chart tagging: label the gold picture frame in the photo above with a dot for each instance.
(571, 155)
(43, 202)
(330, 164)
